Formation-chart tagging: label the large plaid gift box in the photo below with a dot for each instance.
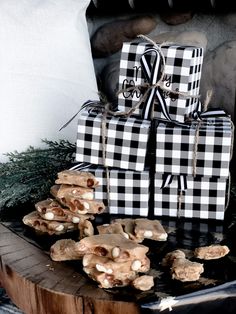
(128, 190)
(125, 146)
(192, 169)
(141, 63)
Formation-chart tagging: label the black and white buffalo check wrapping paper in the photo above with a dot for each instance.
(204, 198)
(182, 73)
(176, 150)
(129, 190)
(126, 141)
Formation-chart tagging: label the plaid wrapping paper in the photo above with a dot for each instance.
(182, 74)
(129, 190)
(175, 148)
(204, 198)
(126, 141)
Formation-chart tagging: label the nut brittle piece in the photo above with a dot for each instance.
(143, 283)
(86, 229)
(110, 280)
(185, 270)
(77, 204)
(50, 209)
(149, 229)
(214, 251)
(128, 225)
(108, 266)
(34, 220)
(111, 229)
(169, 258)
(80, 178)
(64, 250)
(62, 190)
(114, 246)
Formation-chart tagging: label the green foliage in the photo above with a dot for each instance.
(28, 176)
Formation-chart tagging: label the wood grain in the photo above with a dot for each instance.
(37, 285)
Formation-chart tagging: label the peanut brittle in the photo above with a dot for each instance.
(62, 190)
(143, 283)
(64, 250)
(171, 256)
(149, 229)
(109, 266)
(185, 270)
(80, 178)
(52, 210)
(214, 251)
(34, 220)
(77, 203)
(110, 280)
(114, 246)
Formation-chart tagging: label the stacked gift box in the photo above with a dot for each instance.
(167, 158)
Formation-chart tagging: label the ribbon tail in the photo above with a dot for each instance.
(88, 104)
(167, 179)
(182, 182)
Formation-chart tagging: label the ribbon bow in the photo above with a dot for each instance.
(151, 66)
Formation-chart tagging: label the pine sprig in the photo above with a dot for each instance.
(28, 176)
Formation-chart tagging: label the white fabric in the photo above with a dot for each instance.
(46, 70)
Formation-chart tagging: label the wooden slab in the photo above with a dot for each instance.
(37, 285)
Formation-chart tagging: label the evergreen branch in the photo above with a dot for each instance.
(28, 176)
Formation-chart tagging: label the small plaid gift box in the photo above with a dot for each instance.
(198, 148)
(141, 64)
(203, 198)
(128, 190)
(125, 146)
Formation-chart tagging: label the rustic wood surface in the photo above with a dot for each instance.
(37, 285)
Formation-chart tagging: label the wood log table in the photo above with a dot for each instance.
(37, 285)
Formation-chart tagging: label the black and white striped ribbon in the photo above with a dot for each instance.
(80, 166)
(152, 71)
(182, 181)
(210, 113)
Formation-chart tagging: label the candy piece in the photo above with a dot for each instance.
(214, 251)
(114, 246)
(60, 191)
(143, 283)
(76, 203)
(34, 220)
(86, 229)
(79, 178)
(128, 225)
(171, 256)
(64, 250)
(149, 229)
(52, 210)
(110, 228)
(109, 266)
(185, 270)
(105, 280)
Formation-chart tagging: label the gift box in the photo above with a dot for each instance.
(128, 190)
(197, 148)
(192, 168)
(203, 198)
(141, 65)
(125, 143)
